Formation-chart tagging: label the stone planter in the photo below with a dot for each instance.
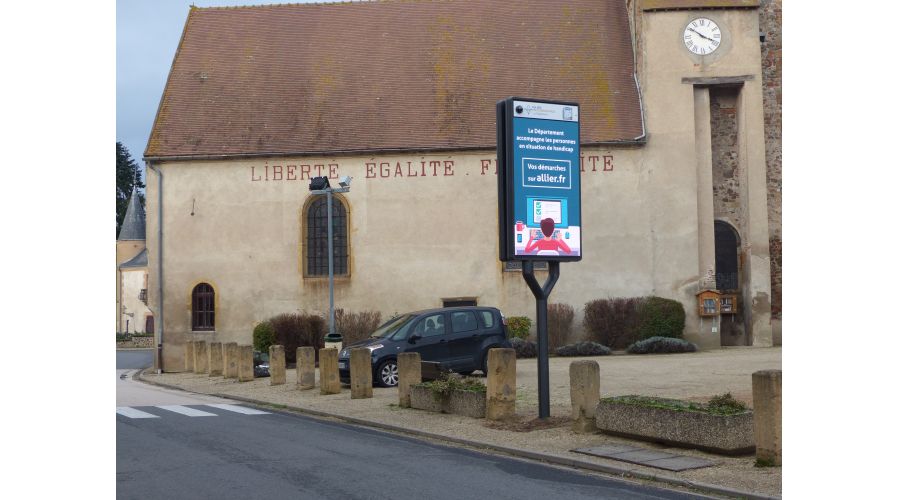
(725, 434)
(465, 403)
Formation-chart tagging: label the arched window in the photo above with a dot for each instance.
(203, 308)
(317, 237)
(727, 246)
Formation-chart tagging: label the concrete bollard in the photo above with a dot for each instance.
(201, 358)
(276, 365)
(306, 368)
(409, 371)
(329, 378)
(230, 359)
(767, 416)
(215, 359)
(189, 356)
(584, 387)
(501, 386)
(360, 373)
(245, 363)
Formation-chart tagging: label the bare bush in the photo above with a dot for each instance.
(354, 327)
(559, 324)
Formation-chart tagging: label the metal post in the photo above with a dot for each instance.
(330, 267)
(541, 294)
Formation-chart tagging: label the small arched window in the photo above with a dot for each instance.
(317, 237)
(203, 308)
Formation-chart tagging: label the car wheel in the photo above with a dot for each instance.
(387, 375)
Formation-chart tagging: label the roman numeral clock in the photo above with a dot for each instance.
(702, 36)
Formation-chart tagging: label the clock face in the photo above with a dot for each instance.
(702, 36)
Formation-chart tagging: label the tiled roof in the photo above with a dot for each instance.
(697, 4)
(390, 75)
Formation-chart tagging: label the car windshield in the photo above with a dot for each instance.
(391, 326)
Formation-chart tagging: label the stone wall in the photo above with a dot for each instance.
(770, 26)
(725, 160)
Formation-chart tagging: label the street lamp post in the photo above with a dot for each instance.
(318, 186)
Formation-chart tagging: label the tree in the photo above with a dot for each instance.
(128, 177)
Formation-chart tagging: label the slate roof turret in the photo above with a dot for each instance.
(134, 226)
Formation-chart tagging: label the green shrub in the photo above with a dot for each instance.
(660, 317)
(524, 348)
(612, 322)
(518, 326)
(559, 324)
(661, 345)
(443, 386)
(725, 404)
(734, 408)
(583, 349)
(354, 327)
(293, 330)
(263, 336)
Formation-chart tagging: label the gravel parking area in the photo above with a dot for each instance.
(694, 376)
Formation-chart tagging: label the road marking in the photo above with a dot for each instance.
(184, 410)
(239, 409)
(133, 413)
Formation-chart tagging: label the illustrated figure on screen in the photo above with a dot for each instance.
(547, 244)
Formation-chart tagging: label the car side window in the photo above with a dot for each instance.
(463, 321)
(431, 326)
(487, 318)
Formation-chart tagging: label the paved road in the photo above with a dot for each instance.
(134, 358)
(173, 445)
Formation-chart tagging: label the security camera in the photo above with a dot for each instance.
(345, 181)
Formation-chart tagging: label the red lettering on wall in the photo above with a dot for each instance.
(276, 172)
(384, 171)
(304, 172)
(593, 160)
(434, 166)
(252, 175)
(332, 171)
(607, 162)
(290, 173)
(423, 169)
(398, 172)
(267, 171)
(485, 164)
(370, 170)
(448, 167)
(409, 171)
(581, 162)
(319, 170)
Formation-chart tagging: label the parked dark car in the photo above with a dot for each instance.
(260, 364)
(456, 337)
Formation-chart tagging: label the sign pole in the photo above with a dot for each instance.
(541, 294)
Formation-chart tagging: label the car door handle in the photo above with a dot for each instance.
(442, 341)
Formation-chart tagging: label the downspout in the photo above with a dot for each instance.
(159, 269)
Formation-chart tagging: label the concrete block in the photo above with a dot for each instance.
(201, 358)
(189, 356)
(767, 415)
(230, 359)
(409, 373)
(466, 403)
(245, 363)
(360, 373)
(277, 366)
(329, 377)
(306, 367)
(584, 387)
(501, 385)
(215, 359)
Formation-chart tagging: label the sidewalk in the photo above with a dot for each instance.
(694, 376)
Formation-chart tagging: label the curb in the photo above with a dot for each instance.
(624, 472)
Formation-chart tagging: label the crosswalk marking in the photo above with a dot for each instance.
(184, 410)
(239, 409)
(133, 413)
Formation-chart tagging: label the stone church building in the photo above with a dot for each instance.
(680, 159)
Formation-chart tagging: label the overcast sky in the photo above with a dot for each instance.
(147, 34)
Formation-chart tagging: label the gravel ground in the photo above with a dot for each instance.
(694, 376)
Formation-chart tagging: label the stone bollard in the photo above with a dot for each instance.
(245, 363)
(215, 359)
(409, 370)
(276, 365)
(501, 385)
(201, 358)
(360, 373)
(230, 359)
(306, 368)
(584, 387)
(767, 416)
(329, 378)
(189, 356)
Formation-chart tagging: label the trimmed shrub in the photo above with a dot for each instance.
(263, 336)
(583, 349)
(293, 330)
(612, 322)
(524, 348)
(660, 317)
(661, 345)
(518, 326)
(559, 324)
(354, 327)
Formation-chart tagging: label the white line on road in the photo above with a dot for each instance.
(184, 410)
(239, 409)
(132, 413)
